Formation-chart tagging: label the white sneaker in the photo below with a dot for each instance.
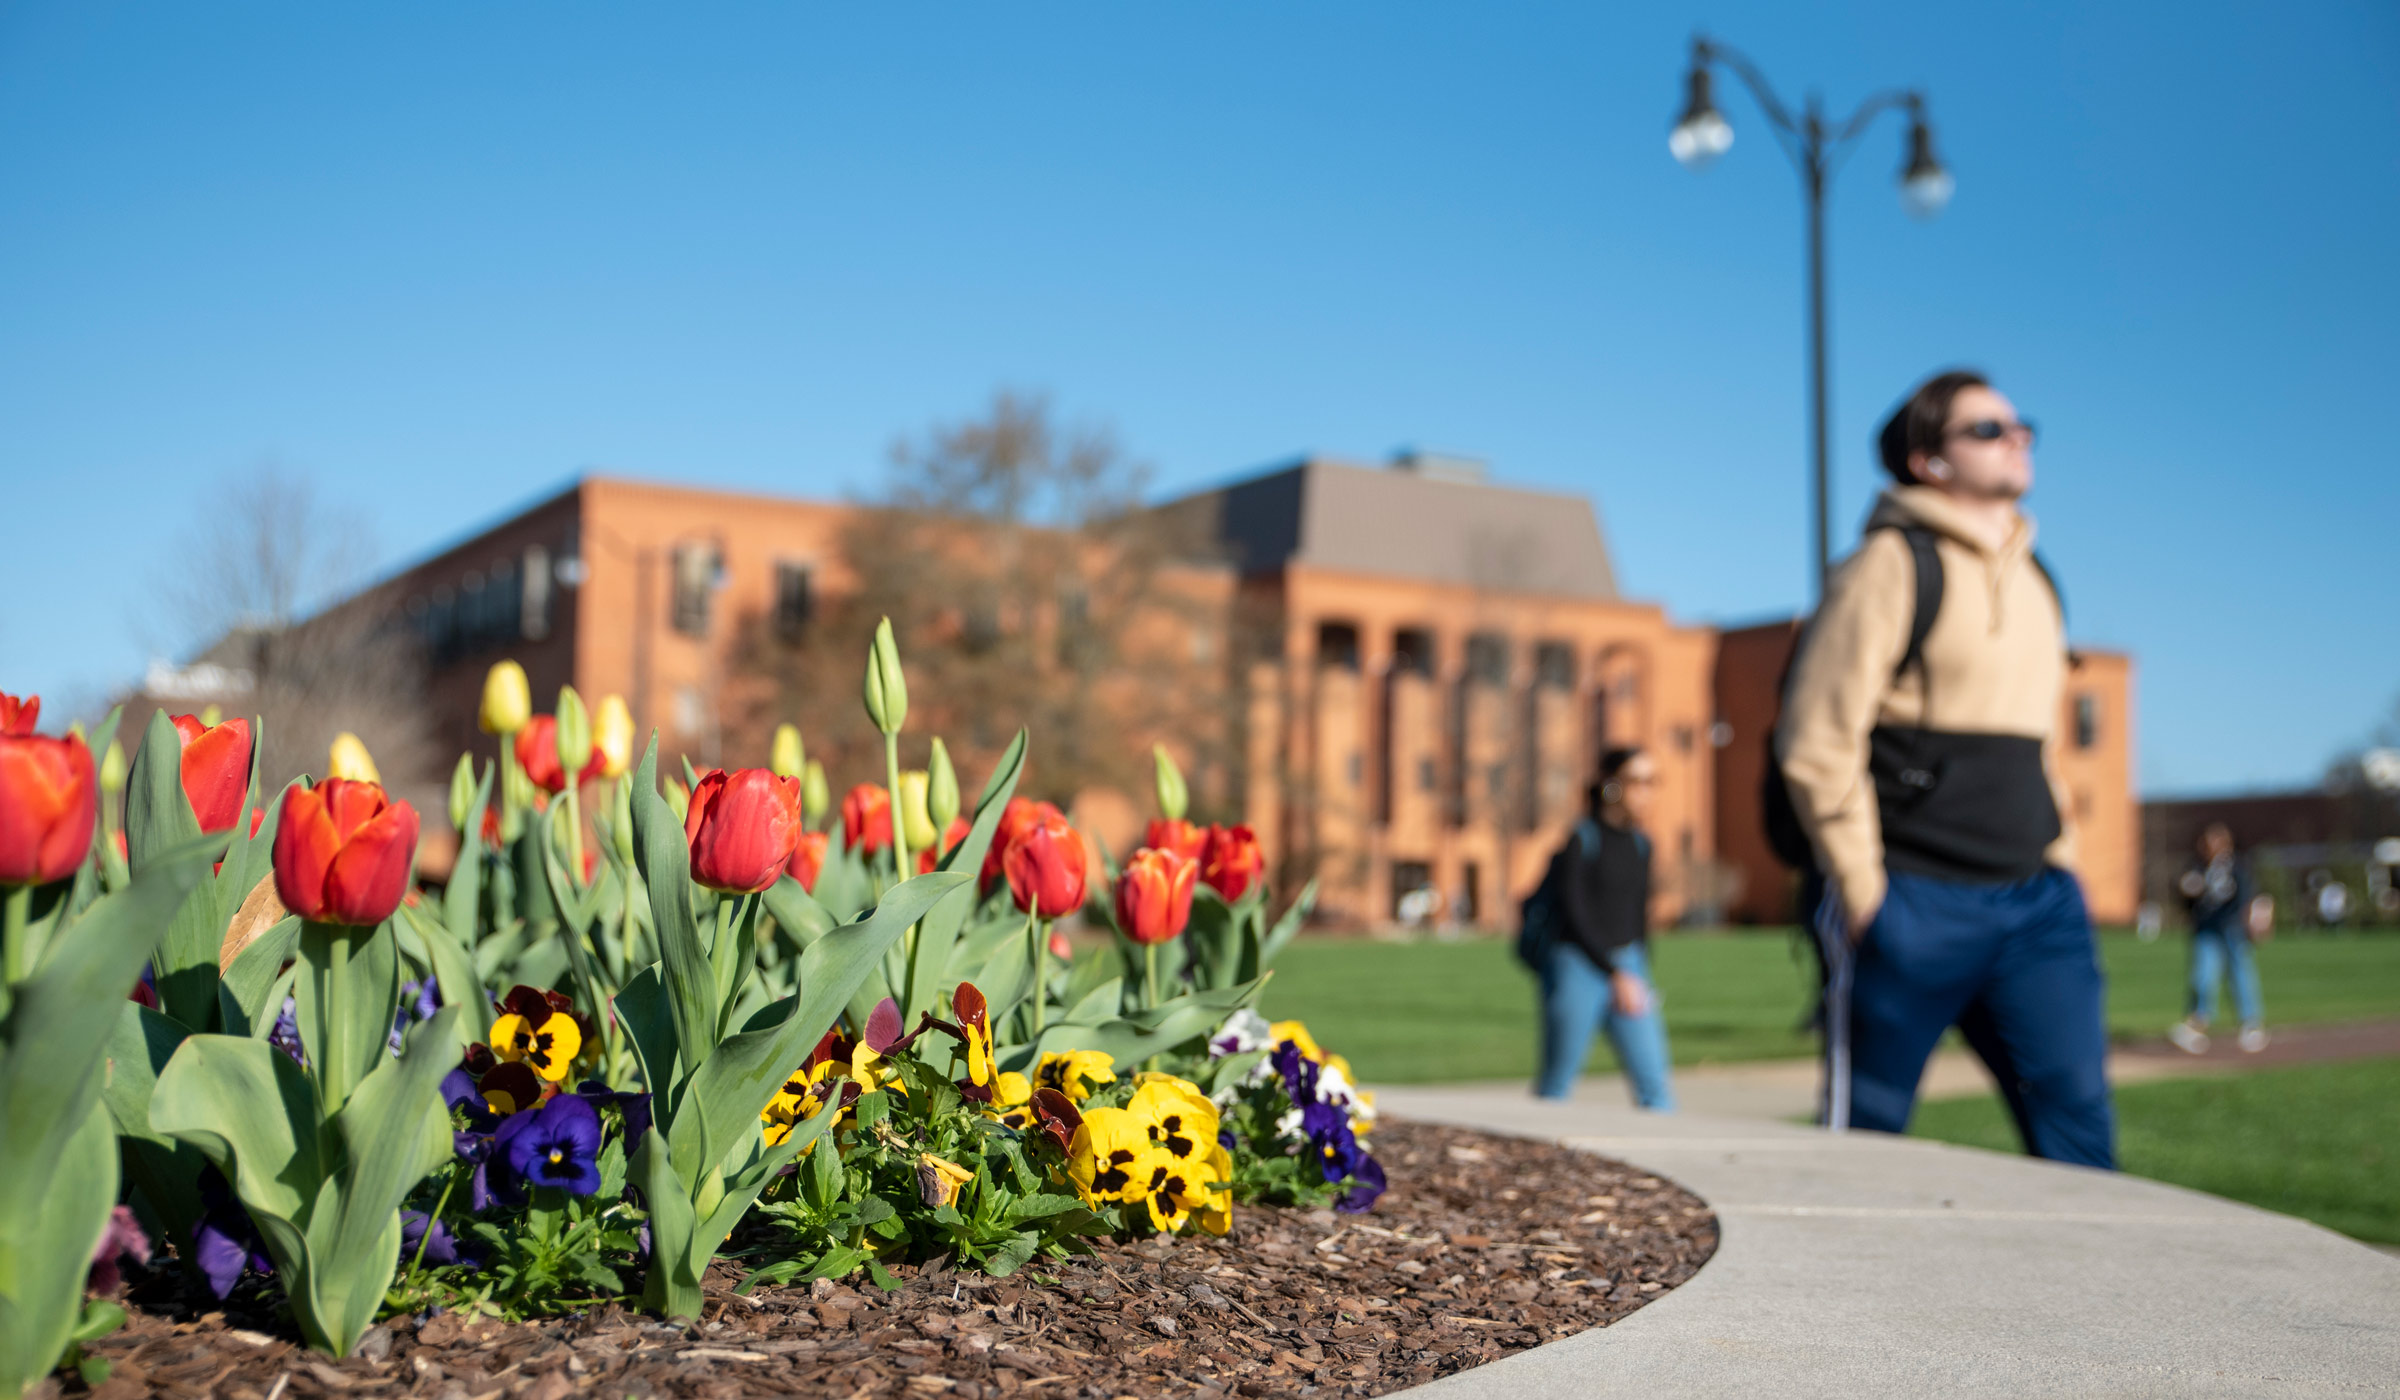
(2253, 1039)
(2188, 1038)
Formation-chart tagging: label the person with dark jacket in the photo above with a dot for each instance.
(1925, 778)
(2227, 911)
(1597, 978)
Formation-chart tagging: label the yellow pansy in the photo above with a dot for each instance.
(548, 1046)
(1297, 1033)
(1111, 1157)
(1075, 1073)
(1181, 1120)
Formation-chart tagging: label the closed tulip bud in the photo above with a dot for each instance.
(350, 760)
(1233, 862)
(216, 769)
(612, 735)
(915, 821)
(18, 716)
(113, 769)
(887, 689)
(816, 794)
(941, 788)
(49, 802)
(1173, 797)
(574, 732)
(537, 754)
(679, 797)
(742, 827)
(342, 852)
(1154, 895)
(808, 859)
(462, 793)
(1045, 867)
(507, 699)
(867, 818)
(787, 758)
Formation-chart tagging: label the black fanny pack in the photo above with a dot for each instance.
(1970, 807)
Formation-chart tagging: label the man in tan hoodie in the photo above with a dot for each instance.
(1918, 753)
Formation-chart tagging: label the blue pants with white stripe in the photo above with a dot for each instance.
(2014, 967)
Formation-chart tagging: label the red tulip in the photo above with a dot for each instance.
(1154, 895)
(1045, 867)
(49, 800)
(867, 819)
(17, 716)
(1233, 861)
(742, 826)
(808, 859)
(342, 852)
(537, 753)
(957, 832)
(1019, 816)
(1186, 839)
(216, 770)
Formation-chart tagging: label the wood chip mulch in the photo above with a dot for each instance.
(1484, 1246)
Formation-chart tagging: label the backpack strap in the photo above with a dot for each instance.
(1930, 580)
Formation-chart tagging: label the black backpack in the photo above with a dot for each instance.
(1785, 836)
(1543, 915)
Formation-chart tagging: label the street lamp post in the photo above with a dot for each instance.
(1701, 134)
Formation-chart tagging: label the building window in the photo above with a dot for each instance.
(1554, 666)
(1413, 898)
(1427, 777)
(695, 581)
(1487, 659)
(1357, 768)
(533, 612)
(1337, 645)
(2087, 720)
(1470, 895)
(795, 600)
(691, 710)
(1412, 652)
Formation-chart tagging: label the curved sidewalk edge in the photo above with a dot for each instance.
(1865, 1265)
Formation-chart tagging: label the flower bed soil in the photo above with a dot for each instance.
(1483, 1246)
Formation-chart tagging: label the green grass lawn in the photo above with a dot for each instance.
(2318, 1141)
(1420, 1012)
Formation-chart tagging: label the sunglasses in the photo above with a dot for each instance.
(1992, 430)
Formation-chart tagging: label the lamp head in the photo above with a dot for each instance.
(1925, 185)
(1701, 134)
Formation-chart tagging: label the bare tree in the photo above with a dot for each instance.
(1027, 586)
(246, 588)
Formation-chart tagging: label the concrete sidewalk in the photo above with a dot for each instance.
(1864, 1265)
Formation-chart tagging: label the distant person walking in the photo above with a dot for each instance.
(1596, 975)
(1916, 742)
(2227, 913)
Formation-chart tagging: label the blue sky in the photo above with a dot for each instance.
(446, 256)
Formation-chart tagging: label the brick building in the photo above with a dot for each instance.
(1434, 663)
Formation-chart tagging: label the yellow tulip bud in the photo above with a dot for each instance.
(507, 699)
(211, 716)
(916, 822)
(349, 759)
(787, 759)
(113, 769)
(1173, 797)
(612, 735)
(574, 732)
(816, 794)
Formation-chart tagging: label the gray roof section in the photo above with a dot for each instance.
(1394, 521)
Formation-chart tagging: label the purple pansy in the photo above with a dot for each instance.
(556, 1145)
(225, 1240)
(440, 1247)
(123, 1239)
(635, 1107)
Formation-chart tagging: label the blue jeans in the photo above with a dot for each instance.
(2212, 950)
(1576, 1003)
(2013, 967)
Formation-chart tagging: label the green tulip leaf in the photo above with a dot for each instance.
(243, 992)
(938, 934)
(45, 1252)
(665, 862)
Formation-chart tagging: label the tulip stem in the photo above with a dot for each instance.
(1150, 977)
(12, 929)
(333, 971)
(891, 768)
(574, 798)
(1035, 934)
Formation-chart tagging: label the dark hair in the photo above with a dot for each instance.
(1916, 425)
(1612, 762)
